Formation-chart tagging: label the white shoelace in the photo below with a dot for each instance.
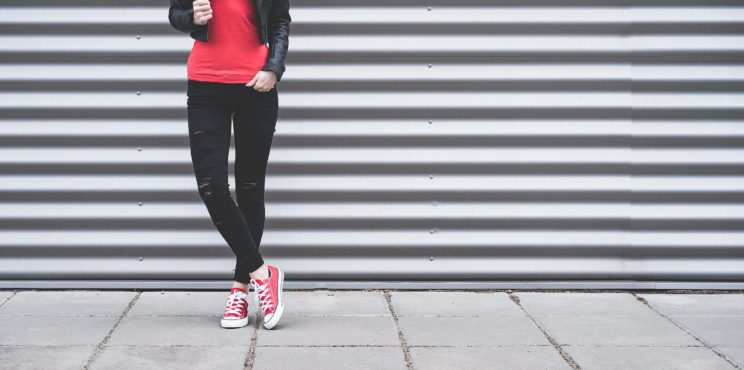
(234, 302)
(262, 293)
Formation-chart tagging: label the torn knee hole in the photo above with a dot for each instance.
(205, 186)
(248, 185)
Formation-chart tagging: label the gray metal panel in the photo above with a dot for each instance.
(440, 143)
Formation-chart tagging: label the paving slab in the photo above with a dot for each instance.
(179, 330)
(454, 304)
(171, 357)
(715, 330)
(697, 304)
(474, 331)
(622, 358)
(335, 303)
(171, 303)
(539, 303)
(298, 303)
(718, 319)
(601, 329)
(735, 354)
(331, 330)
(54, 330)
(44, 357)
(67, 303)
(488, 358)
(329, 358)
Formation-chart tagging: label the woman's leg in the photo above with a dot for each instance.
(209, 138)
(254, 126)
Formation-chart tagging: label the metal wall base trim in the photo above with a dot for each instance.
(403, 285)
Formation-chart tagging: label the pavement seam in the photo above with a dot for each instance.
(571, 362)
(403, 343)
(697, 338)
(9, 297)
(251, 358)
(105, 339)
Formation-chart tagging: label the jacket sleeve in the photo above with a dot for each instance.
(278, 35)
(181, 16)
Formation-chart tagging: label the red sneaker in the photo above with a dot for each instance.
(236, 309)
(268, 293)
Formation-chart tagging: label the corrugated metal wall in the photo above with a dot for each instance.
(486, 143)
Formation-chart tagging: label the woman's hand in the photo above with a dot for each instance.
(202, 12)
(263, 81)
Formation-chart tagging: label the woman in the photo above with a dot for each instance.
(237, 57)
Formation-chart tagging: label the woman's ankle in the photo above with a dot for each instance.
(261, 273)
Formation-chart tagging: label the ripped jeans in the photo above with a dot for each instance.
(211, 108)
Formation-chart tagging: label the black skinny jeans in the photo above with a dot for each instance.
(211, 107)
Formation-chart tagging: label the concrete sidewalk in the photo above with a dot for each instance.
(373, 329)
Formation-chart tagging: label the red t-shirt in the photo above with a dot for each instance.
(234, 52)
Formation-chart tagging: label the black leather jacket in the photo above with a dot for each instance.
(272, 14)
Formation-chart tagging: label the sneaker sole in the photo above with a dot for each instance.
(280, 307)
(235, 323)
